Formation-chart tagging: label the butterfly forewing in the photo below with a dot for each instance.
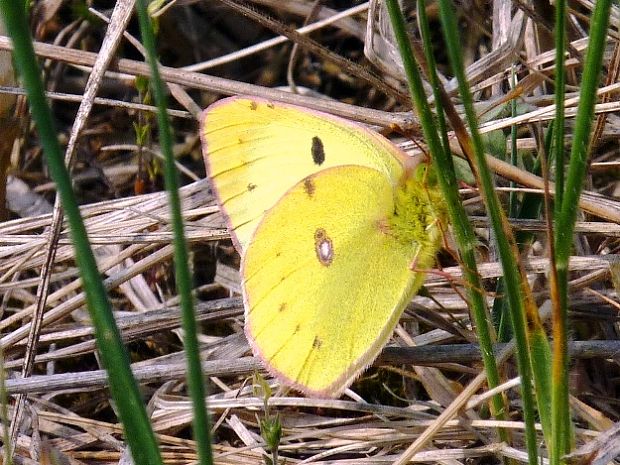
(256, 150)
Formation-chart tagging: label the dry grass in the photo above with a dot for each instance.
(68, 414)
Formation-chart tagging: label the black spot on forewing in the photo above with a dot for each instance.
(251, 187)
(316, 344)
(282, 307)
(253, 105)
(318, 152)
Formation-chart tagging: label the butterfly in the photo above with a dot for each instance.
(335, 226)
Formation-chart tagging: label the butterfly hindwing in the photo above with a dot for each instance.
(325, 281)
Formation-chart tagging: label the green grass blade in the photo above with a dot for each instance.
(123, 387)
(565, 223)
(195, 378)
(560, 78)
(444, 168)
(523, 311)
(513, 203)
(465, 233)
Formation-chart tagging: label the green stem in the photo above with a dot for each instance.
(444, 169)
(195, 378)
(565, 223)
(519, 295)
(131, 410)
(560, 78)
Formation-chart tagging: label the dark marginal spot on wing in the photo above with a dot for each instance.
(318, 152)
(251, 187)
(316, 344)
(270, 106)
(324, 247)
(309, 187)
(282, 307)
(297, 328)
(253, 105)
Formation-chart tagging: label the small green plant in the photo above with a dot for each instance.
(270, 425)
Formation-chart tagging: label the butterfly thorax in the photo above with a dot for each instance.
(417, 214)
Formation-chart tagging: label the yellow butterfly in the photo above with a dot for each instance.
(333, 223)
